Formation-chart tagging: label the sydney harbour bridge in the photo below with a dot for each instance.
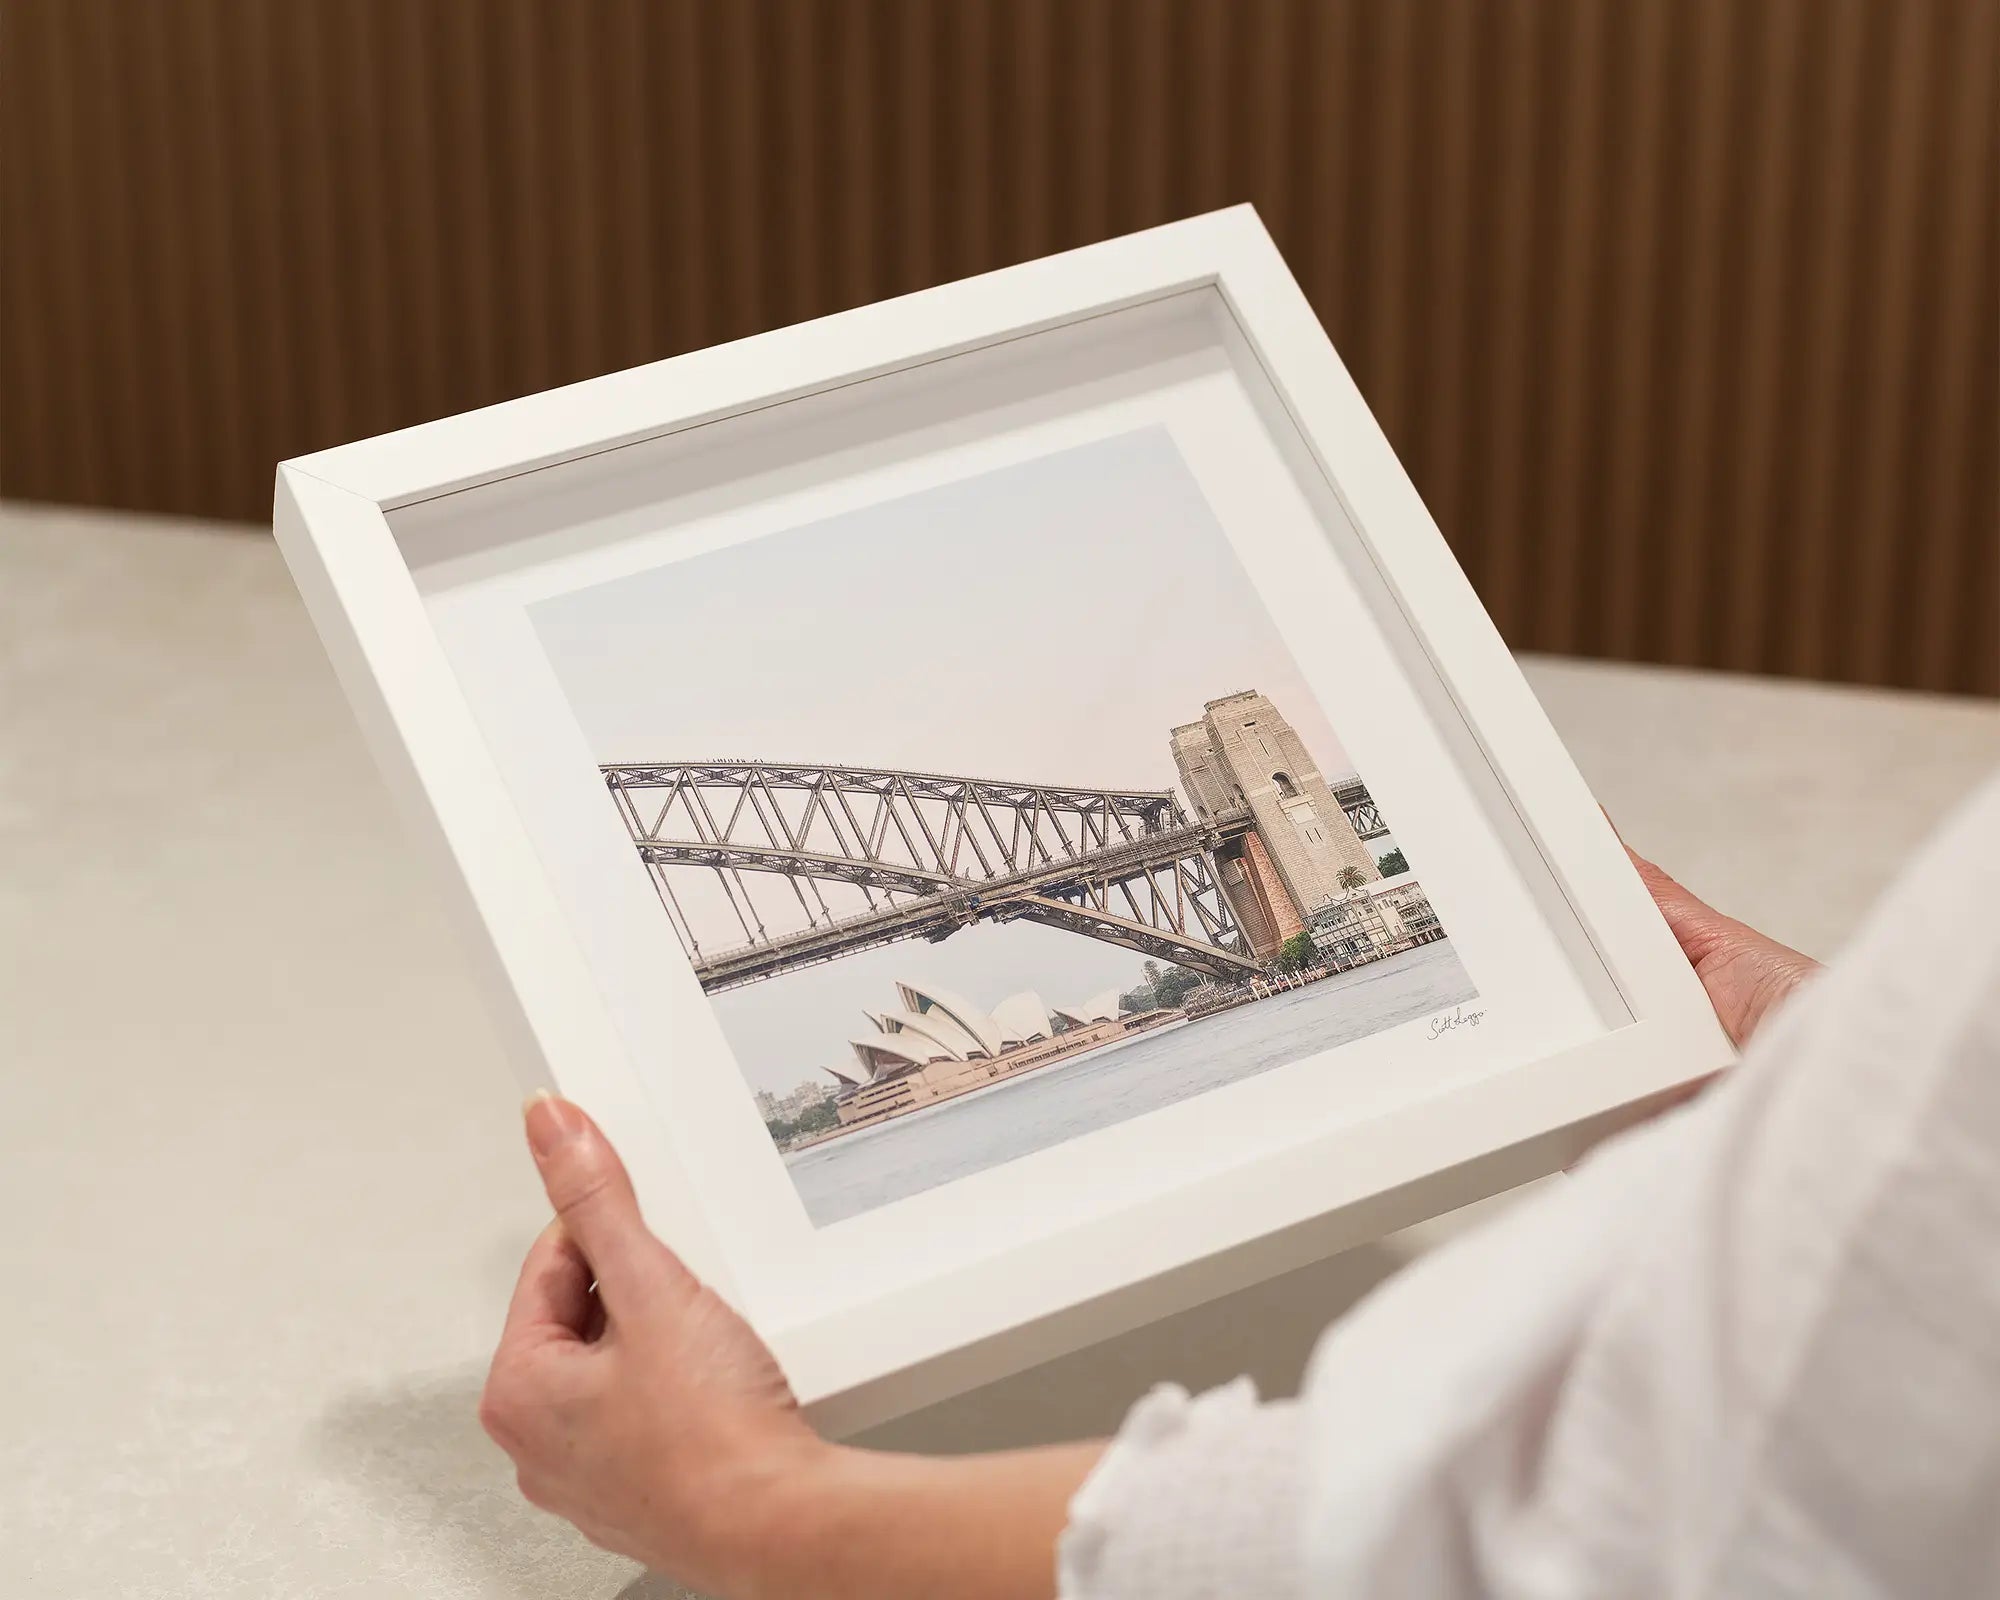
(864, 857)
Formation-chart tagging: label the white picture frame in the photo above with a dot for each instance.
(381, 538)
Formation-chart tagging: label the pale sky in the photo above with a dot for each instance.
(1048, 622)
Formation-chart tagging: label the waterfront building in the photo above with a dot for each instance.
(1244, 759)
(1409, 910)
(1366, 924)
(934, 1044)
(1362, 925)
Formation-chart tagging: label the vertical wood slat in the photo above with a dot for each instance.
(1683, 316)
(1962, 314)
(1831, 236)
(1771, 163)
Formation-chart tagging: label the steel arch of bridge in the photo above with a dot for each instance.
(928, 853)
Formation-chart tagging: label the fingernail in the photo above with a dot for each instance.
(551, 1123)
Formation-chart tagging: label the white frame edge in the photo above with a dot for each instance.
(414, 716)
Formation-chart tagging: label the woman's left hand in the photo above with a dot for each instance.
(639, 1406)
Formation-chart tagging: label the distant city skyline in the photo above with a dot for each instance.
(1049, 622)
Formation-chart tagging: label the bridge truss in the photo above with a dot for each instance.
(814, 862)
(1363, 815)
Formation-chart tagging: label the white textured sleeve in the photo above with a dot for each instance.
(1752, 1349)
(1197, 1499)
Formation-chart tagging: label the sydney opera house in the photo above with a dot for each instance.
(934, 1044)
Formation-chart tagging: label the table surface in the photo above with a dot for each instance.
(261, 1155)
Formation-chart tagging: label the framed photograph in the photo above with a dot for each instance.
(1001, 802)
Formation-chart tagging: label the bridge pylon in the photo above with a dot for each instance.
(1293, 846)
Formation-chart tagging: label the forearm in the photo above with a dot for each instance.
(1196, 1497)
(871, 1525)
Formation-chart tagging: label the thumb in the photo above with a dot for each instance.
(1697, 926)
(1668, 892)
(592, 1195)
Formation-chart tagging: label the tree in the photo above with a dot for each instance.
(1352, 877)
(1175, 985)
(1391, 864)
(1298, 951)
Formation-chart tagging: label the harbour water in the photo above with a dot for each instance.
(860, 1171)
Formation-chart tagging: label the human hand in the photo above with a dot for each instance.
(1745, 973)
(642, 1409)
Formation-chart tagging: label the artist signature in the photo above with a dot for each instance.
(1458, 1018)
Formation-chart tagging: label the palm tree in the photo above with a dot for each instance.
(1352, 877)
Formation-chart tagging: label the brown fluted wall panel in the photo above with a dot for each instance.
(1682, 313)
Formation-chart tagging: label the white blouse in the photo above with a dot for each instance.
(1750, 1349)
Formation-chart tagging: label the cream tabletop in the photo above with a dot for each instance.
(261, 1159)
